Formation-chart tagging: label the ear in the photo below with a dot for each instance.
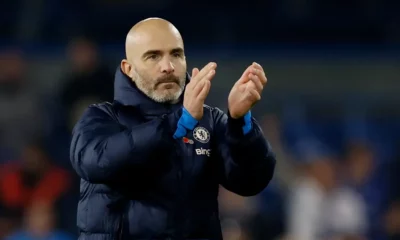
(127, 68)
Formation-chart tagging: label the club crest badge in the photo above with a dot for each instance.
(201, 134)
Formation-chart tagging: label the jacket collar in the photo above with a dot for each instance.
(127, 94)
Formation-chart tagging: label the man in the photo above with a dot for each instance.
(151, 162)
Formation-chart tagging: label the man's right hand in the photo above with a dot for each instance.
(198, 89)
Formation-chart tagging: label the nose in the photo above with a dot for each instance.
(167, 66)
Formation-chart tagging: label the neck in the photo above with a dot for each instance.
(174, 101)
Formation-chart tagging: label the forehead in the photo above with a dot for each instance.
(158, 39)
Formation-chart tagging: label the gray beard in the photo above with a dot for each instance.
(160, 98)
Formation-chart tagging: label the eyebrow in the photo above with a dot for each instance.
(177, 50)
(150, 52)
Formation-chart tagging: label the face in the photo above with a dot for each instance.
(360, 163)
(158, 65)
(83, 55)
(33, 159)
(324, 171)
(39, 219)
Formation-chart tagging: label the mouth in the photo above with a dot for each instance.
(168, 85)
(167, 82)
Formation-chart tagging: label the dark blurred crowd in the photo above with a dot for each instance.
(37, 185)
(318, 192)
(272, 21)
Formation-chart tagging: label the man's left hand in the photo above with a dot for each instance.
(247, 91)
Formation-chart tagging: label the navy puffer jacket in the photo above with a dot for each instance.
(138, 182)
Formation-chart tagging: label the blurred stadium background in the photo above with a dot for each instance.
(331, 109)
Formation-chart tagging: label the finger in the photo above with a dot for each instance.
(195, 71)
(195, 76)
(260, 74)
(245, 76)
(199, 86)
(204, 92)
(257, 82)
(255, 94)
(209, 76)
(258, 66)
(204, 71)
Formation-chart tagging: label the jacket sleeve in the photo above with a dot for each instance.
(245, 159)
(101, 147)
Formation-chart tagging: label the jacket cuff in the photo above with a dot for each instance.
(186, 122)
(241, 126)
(248, 125)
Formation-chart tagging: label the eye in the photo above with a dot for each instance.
(177, 54)
(153, 57)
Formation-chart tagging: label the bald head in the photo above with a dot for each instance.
(155, 59)
(147, 30)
